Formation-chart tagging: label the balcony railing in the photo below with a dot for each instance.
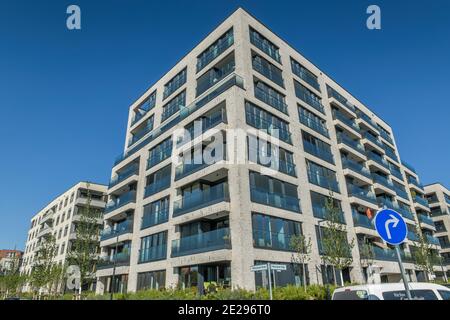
(320, 211)
(385, 202)
(157, 186)
(391, 154)
(413, 181)
(389, 254)
(401, 193)
(313, 149)
(432, 240)
(150, 219)
(220, 87)
(270, 73)
(421, 201)
(342, 138)
(407, 165)
(386, 137)
(305, 75)
(272, 240)
(356, 167)
(201, 199)
(366, 195)
(373, 139)
(349, 122)
(412, 236)
(367, 119)
(284, 166)
(128, 197)
(276, 200)
(214, 76)
(153, 253)
(272, 100)
(269, 127)
(140, 134)
(314, 124)
(215, 51)
(120, 229)
(405, 213)
(425, 219)
(124, 174)
(265, 46)
(120, 259)
(309, 99)
(203, 242)
(383, 181)
(361, 220)
(159, 157)
(378, 159)
(185, 169)
(324, 181)
(395, 172)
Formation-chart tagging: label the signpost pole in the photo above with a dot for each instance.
(269, 272)
(402, 270)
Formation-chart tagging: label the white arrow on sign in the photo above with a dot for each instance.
(394, 221)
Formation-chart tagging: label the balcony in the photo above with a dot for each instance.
(389, 255)
(120, 259)
(407, 165)
(432, 240)
(412, 236)
(215, 50)
(283, 166)
(401, 192)
(367, 120)
(385, 202)
(202, 199)
(44, 231)
(343, 101)
(215, 75)
(120, 201)
(309, 98)
(342, 138)
(269, 71)
(264, 45)
(144, 108)
(138, 135)
(150, 219)
(188, 168)
(356, 167)
(124, 174)
(159, 157)
(120, 229)
(361, 220)
(203, 242)
(220, 87)
(383, 181)
(378, 159)
(323, 154)
(153, 254)
(276, 200)
(396, 172)
(314, 124)
(337, 115)
(421, 201)
(363, 194)
(174, 84)
(414, 182)
(406, 213)
(272, 240)
(325, 181)
(425, 219)
(386, 137)
(391, 154)
(272, 129)
(305, 75)
(275, 101)
(157, 186)
(320, 211)
(373, 139)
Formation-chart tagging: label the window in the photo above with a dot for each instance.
(274, 233)
(155, 213)
(215, 74)
(322, 176)
(173, 106)
(317, 147)
(158, 181)
(153, 247)
(308, 97)
(304, 74)
(444, 294)
(214, 50)
(63, 248)
(151, 280)
(66, 229)
(313, 121)
(261, 119)
(267, 69)
(160, 152)
(262, 43)
(148, 104)
(270, 96)
(175, 83)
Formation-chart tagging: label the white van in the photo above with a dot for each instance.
(392, 291)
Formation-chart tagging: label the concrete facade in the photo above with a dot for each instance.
(59, 217)
(206, 227)
(438, 197)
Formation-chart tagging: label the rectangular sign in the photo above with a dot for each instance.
(281, 267)
(259, 267)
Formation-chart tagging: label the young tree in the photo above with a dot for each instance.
(42, 275)
(423, 257)
(84, 250)
(366, 254)
(11, 280)
(302, 247)
(335, 246)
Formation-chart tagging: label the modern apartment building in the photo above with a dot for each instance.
(183, 224)
(438, 197)
(60, 218)
(10, 260)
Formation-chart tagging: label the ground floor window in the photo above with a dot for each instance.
(292, 276)
(331, 275)
(205, 275)
(151, 280)
(118, 284)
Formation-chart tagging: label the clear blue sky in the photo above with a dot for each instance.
(64, 95)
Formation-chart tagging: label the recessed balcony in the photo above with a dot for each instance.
(202, 242)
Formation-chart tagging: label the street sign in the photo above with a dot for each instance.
(259, 267)
(390, 226)
(278, 267)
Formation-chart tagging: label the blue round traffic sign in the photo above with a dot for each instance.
(390, 226)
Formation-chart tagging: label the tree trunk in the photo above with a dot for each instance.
(334, 275)
(304, 276)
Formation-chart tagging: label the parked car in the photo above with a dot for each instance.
(393, 291)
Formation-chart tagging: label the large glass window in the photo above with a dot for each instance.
(274, 233)
(262, 43)
(151, 280)
(174, 105)
(153, 247)
(175, 83)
